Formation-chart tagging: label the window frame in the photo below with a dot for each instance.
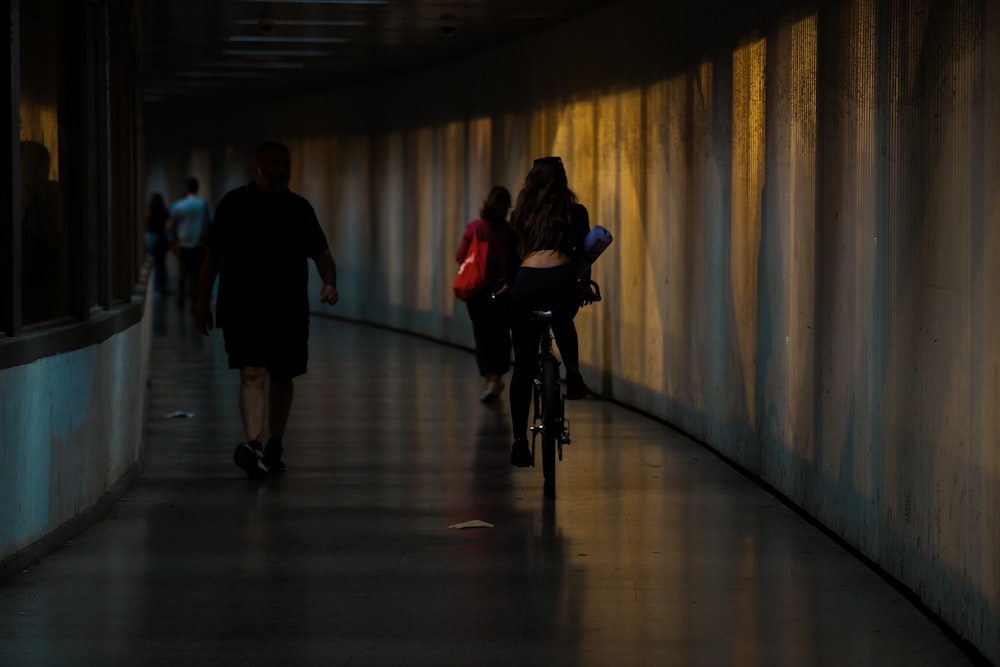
(99, 119)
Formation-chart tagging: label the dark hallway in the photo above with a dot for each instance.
(656, 552)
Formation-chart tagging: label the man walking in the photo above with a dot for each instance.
(258, 246)
(190, 218)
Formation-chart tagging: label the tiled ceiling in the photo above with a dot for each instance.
(205, 52)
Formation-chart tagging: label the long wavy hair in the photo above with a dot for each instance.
(494, 210)
(541, 217)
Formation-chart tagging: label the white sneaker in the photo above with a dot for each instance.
(491, 393)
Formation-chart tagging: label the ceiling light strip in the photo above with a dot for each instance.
(323, 2)
(306, 23)
(274, 52)
(273, 39)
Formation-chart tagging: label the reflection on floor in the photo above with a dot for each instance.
(655, 553)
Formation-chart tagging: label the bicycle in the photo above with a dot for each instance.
(550, 422)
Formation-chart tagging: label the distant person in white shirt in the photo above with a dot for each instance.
(190, 217)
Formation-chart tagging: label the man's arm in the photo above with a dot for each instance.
(328, 272)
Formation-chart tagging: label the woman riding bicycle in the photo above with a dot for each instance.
(549, 226)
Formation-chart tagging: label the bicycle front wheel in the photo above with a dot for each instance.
(551, 422)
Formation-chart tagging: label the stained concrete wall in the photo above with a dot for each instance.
(70, 440)
(805, 207)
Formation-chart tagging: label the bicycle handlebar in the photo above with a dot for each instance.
(597, 293)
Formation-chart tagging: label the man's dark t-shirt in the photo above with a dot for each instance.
(263, 243)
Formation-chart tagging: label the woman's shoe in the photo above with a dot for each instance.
(494, 389)
(491, 393)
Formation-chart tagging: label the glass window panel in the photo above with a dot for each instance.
(45, 260)
(125, 231)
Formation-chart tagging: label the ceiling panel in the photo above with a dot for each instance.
(202, 52)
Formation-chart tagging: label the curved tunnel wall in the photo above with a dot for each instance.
(806, 224)
(71, 428)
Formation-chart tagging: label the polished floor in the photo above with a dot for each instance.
(655, 553)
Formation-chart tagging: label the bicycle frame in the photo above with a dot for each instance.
(550, 422)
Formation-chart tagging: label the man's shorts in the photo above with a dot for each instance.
(283, 351)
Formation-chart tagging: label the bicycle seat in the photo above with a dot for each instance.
(542, 315)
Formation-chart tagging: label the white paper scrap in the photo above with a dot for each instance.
(475, 523)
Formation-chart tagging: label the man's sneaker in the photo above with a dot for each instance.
(575, 388)
(272, 455)
(520, 454)
(249, 456)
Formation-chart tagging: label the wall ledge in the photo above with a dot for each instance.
(52, 340)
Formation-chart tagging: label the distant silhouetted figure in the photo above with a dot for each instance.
(190, 219)
(490, 318)
(260, 241)
(157, 216)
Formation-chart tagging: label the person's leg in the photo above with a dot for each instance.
(195, 257)
(184, 276)
(160, 267)
(525, 336)
(150, 244)
(568, 343)
(564, 332)
(253, 401)
(480, 312)
(569, 349)
(249, 455)
(181, 275)
(246, 353)
(280, 394)
(153, 255)
(480, 332)
(500, 344)
(289, 355)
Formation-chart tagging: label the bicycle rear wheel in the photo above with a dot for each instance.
(551, 422)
